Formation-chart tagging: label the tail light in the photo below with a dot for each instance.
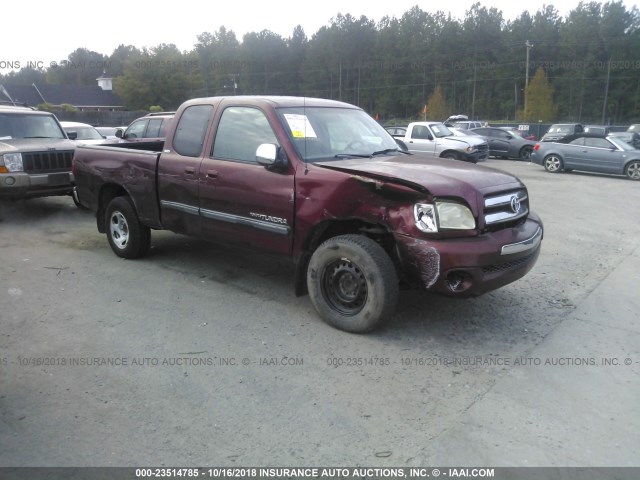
(537, 147)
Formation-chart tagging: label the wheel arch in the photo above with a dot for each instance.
(450, 152)
(108, 192)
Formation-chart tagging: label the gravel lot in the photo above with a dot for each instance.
(200, 354)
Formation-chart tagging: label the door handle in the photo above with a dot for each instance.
(190, 170)
(212, 174)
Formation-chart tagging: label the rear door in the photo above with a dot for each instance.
(179, 171)
(241, 200)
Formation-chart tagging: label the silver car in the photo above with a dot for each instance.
(589, 154)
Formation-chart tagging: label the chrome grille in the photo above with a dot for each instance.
(43, 162)
(505, 207)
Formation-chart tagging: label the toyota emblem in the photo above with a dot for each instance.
(515, 204)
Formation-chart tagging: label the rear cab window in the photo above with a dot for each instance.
(191, 130)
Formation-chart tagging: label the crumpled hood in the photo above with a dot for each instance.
(440, 177)
(35, 144)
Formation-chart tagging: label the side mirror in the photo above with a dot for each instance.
(509, 137)
(119, 133)
(267, 155)
(72, 135)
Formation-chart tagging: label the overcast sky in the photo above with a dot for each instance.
(43, 32)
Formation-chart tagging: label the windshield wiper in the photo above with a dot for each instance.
(352, 155)
(389, 150)
(39, 137)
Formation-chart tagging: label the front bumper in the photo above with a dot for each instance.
(26, 185)
(468, 267)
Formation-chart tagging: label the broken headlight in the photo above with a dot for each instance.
(443, 215)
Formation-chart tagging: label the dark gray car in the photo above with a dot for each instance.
(590, 154)
(505, 144)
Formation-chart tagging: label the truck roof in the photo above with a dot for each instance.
(274, 101)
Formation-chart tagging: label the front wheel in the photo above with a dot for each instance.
(352, 283)
(450, 155)
(633, 170)
(525, 152)
(128, 237)
(552, 163)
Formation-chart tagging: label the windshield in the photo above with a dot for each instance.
(621, 144)
(335, 133)
(14, 125)
(85, 133)
(440, 130)
(561, 129)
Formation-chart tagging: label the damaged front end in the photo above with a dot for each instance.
(451, 231)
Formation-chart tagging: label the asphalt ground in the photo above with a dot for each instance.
(200, 354)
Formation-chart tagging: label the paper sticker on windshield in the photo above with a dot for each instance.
(300, 126)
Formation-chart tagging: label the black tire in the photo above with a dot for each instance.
(553, 163)
(450, 155)
(525, 153)
(352, 283)
(127, 236)
(632, 170)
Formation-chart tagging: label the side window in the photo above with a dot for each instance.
(500, 134)
(240, 131)
(153, 130)
(136, 129)
(483, 131)
(597, 142)
(191, 129)
(420, 132)
(577, 141)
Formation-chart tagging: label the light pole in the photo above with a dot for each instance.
(529, 46)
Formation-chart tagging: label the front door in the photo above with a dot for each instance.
(241, 200)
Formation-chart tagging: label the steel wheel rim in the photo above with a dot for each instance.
(526, 153)
(119, 230)
(344, 287)
(553, 164)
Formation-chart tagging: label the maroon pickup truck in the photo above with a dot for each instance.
(321, 182)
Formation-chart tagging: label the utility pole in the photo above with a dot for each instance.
(529, 46)
(606, 92)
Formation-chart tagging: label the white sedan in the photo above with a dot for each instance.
(82, 133)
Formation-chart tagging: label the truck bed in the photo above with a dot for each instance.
(131, 167)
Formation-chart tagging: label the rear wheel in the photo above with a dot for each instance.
(128, 237)
(352, 283)
(633, 170)
(552, 163)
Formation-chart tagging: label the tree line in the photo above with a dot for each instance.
(584, 67)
